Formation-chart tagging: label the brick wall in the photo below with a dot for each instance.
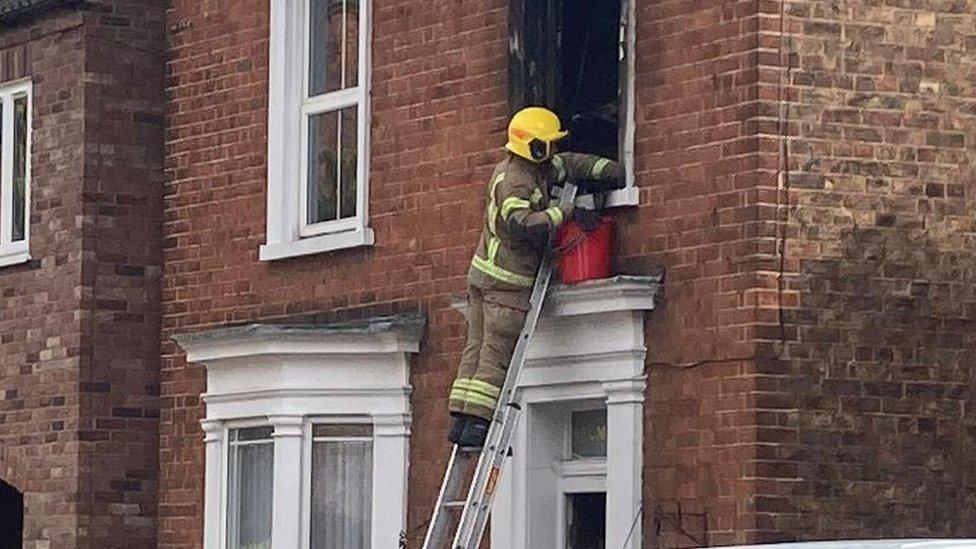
(881, 238)
(707, 157)
(119, 385)
(79, 324)
(40, 335)
(735, 355)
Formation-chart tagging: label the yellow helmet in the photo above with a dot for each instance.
(532, 132)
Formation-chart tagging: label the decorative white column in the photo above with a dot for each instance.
(391, 451)
(213, 440)
(625, 436)
(286, 517)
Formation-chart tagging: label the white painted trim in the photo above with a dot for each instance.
(629, 196)
(213, 482)
(288, 234)
(589, 347)
(13, 257)
(289, 470)
(317, 244)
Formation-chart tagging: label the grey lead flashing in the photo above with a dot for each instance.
(407, 324)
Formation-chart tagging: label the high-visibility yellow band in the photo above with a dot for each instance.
(477, 385)
(473, 398)
(560, 169)
(511, 204)
(598, 167)
(493, 245)
(536, 196)
(556, 215)
(492, 206)
(497, 272)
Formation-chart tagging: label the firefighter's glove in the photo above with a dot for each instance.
(589, 220)
(567, 209)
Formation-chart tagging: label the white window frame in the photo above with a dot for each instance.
(576, 475)
(227, 427)
(289, 110)
(12, 253)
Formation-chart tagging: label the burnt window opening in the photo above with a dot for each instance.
(11, 517)
(571, 56)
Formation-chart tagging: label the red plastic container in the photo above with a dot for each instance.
(584, 256)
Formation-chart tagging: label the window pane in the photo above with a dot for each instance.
(342, 481)
(252, 433)
(342, 430)
(20, 168)
(333, 61)
(250, 471)
(589, 434)
(349, 161)
(329, 165)
(352, 44)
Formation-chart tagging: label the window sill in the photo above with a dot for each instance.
(629, 196)
(318, 244)
(13, 258)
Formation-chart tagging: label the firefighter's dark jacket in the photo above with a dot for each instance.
(519, 218)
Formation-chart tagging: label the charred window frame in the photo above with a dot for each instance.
(577, 58)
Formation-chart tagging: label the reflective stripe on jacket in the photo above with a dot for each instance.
(519, 218)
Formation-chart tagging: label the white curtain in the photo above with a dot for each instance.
(342, 480)
(252, 469)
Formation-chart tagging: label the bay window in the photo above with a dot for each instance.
(306, 433)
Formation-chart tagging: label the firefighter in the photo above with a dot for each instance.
(518, 226)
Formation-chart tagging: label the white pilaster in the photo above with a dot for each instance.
(286, 524)
(625, 435)
(391, 453)
(213, 440)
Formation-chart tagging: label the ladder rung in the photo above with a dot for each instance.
(470, 449)
(454, 504)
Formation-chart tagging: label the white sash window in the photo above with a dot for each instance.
(318, 131)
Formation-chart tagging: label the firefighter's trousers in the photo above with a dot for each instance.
(495, 319)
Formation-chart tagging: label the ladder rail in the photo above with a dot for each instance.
(491, 459)
(438, 524)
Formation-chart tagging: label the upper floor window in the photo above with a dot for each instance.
(317, 128)
(15, 128)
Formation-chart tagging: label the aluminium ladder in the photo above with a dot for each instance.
(492, 457)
